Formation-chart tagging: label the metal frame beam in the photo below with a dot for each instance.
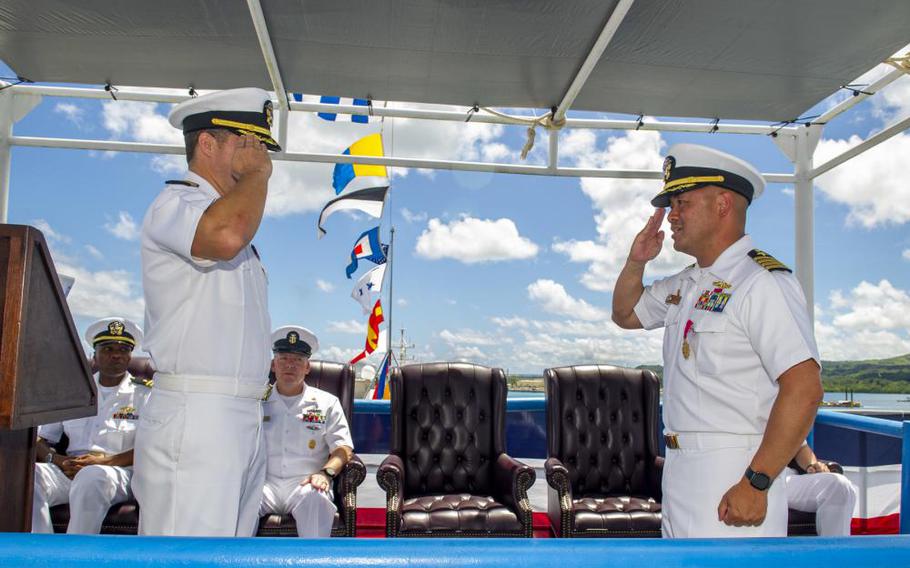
(866, 144)
(159, 96)
(271, 63)
(587, 67)
(492, 167)
(859, 97)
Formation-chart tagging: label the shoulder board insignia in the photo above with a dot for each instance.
(181, 182)
(139, 381)
(767, 261)
(268, 392)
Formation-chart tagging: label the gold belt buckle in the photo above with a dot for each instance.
(672, 441)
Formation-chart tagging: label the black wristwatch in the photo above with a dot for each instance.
(329, 472)
(758, 480)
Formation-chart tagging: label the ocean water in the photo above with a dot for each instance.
(873, 401)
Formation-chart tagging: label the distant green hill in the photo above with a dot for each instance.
(872, 375)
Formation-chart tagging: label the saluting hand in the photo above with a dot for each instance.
(649, 240)
(743, 506)
(251, 157)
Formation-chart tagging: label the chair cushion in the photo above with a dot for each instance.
(457, 513)
(632, 515)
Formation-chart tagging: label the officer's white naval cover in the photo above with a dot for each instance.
(104, 324)
(303, 334)
(202, 317)
(301, 437)
(112, 430)
(738, 352)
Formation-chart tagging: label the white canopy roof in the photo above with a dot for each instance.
(767, 60)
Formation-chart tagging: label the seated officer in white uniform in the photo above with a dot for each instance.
(307, 437)
(741, 368)
(96, 470)
(829, 495)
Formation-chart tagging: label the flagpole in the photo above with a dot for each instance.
(391, 287)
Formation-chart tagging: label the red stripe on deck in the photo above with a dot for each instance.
(371, 523)
(888, 524)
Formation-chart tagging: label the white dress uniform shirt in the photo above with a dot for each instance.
(743, 327)
(95, 488)
(199, 460)
(301, 433)
(202, 317)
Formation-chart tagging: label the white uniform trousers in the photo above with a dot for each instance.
(314, 511)
(829, 495)
(200, 464)
(694, 480)
(93, 491)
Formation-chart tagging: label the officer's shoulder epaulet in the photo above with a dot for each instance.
(268, 392)
(142, 382)
(181, 182)
(767, 261)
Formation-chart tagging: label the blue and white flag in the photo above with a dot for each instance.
(331, 116)
(369, 248)
(368, 287)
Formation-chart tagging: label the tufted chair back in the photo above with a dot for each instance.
(448, 426)
(602, 424)
(335, 378)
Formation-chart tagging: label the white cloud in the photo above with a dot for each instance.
(471, 240)
(470, 337)
(403, 302)
(125, 228)
(104, 293)
(335, 353)
(869, 321)
(554, 299)
(872, 185)
(411, 217)
(94, 252)
(324, 285)
(621, 206)
(906, 254)
(349, 326)
(72, 112)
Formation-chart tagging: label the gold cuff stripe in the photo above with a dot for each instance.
(242, 126)
(122, 338)
(692, 180)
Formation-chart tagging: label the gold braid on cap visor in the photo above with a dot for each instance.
(252, 128)
(683, 183)
(121, 338)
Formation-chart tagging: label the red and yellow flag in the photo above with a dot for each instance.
(372, 332)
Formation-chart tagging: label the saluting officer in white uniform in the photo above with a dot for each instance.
(96, 470)
(199, 461)
(308, 438)
(831, 496)
(741, 368)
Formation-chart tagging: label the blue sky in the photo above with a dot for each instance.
(505, 270)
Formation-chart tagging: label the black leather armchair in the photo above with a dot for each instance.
(603, 467)
(448, 473)
(337, 379)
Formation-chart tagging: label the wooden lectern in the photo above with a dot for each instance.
(44, 374)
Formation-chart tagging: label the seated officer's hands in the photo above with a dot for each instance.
(72, 466)
(817, 467)
(743, 505)
(318, 480)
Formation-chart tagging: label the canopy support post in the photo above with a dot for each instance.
(800, 149)
(12, 108)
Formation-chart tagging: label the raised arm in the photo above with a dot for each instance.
(629, 287)
(230, 222)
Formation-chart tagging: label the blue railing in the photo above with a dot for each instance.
(37, 551)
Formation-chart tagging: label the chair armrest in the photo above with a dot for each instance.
(390, 477)
(352, 475)
(511, 480)
(558, 477)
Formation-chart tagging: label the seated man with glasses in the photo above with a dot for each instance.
(307, 435)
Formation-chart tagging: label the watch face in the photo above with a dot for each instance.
(758, 480)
